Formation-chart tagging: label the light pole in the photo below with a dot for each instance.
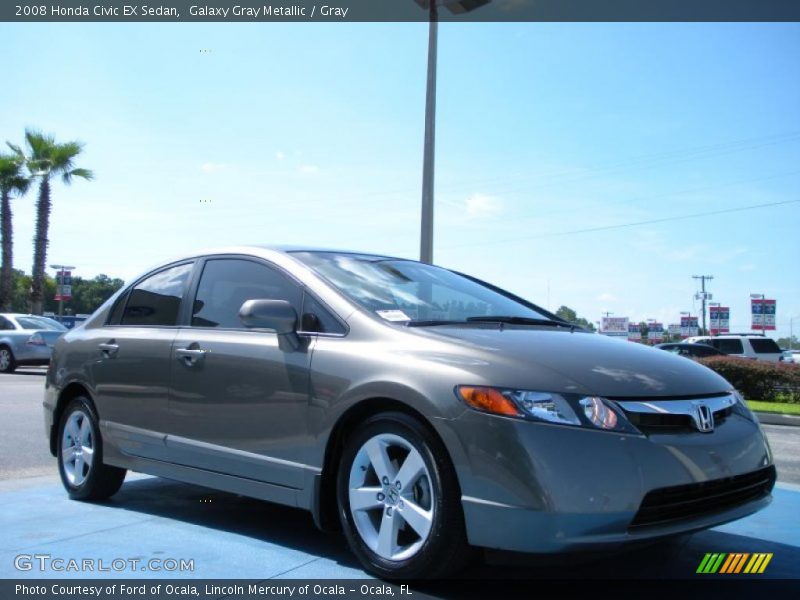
(702, 295)
(60, 287)
(426, 220)
(763, 316)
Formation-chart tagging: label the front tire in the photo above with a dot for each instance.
(7, 362)
(80, 455)
(399, 501)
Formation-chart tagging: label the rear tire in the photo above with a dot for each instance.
(80, 454)
(7, 362)
(399, 500)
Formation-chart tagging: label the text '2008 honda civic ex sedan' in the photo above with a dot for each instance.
(424, 411)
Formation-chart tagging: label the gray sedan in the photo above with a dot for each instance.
(424, 412)
(26, 340)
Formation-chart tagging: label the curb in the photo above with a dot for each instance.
(777, 419)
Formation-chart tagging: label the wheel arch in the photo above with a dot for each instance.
(324, 503)
(70, 392)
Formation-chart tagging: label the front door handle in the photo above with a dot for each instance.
(109, 349)
(190, 356)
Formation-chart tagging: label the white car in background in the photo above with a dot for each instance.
(791, 357)
(754, 346)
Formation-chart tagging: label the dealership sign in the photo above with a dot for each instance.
(689, 326)
(674, 330)
(634, 332)
(763, 312)
(720, 317)
(655, 332)
(614, 326)
(63, 285)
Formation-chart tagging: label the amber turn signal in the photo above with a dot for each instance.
(488, 400)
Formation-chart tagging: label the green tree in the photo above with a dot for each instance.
(568, 314)
(12, 183)
(89, 294)
(45, 159)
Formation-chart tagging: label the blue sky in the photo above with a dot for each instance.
(312, 134)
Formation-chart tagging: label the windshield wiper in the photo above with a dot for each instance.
(432, 323)
(520, 321)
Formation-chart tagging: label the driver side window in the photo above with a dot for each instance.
(225, 285)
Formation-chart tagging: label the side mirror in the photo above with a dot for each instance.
(269, 314)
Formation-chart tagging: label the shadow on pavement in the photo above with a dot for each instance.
(677, 558)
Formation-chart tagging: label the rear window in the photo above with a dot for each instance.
(43, 323)
(765, 346)
(728, 346)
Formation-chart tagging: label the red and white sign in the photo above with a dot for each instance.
(763, 312)
(655, 332)
(64, 285)
(634, 332)
(720, 319)
(689, 326)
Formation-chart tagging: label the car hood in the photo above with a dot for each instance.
(596, 364)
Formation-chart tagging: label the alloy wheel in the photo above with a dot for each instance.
(77, 448)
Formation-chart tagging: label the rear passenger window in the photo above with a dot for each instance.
(728, 346)
(156, 300)
(227, 283)
(765, 346)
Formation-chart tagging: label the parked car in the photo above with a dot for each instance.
(26, 340)
(791, 357)
(690, 350)
(744, 345)
(421, 410)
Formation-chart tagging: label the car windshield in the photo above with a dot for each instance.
(39, 323)
(411, 292)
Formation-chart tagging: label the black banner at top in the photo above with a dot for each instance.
(398, 10)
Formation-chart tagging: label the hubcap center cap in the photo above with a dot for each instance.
(390, 495)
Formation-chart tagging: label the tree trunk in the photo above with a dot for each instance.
(40, 247)
(8, 249)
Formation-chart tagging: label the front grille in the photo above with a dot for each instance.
(666, 506)
(654, 422)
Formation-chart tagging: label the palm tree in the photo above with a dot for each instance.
(44, 160)
(12, 182)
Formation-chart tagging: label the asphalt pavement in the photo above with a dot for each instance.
(225, 535)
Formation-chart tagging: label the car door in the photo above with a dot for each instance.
(238, 398)
(132, 361)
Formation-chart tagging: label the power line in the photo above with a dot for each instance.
(634, 224)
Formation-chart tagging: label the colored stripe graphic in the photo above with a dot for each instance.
(724, 563)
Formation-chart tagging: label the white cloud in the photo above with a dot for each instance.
(308, 169)
(280, 155)
(211, 167)
(607, 297)
(481, 205)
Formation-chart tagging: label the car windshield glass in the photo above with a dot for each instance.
(40, 323)
(408, 291)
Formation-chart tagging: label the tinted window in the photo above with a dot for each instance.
(156, 300)
(227, 283)
(765, 346)
(6, 324)
(703, 351)
(317, 318)
(727, 346)
(116, 312)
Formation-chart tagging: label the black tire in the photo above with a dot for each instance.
(445, 550)
(97, 481)
(7, 362)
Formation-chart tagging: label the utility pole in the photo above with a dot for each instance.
(426, 233)
(702, 295)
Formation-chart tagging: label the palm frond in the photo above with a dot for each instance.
(84, 173)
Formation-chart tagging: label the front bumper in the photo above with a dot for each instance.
(533, 487)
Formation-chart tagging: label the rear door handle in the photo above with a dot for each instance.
(109, 349)
(190, 356)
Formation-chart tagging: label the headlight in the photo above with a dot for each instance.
(588, 411)
(741, 408)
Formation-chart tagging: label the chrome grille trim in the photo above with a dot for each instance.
(718, 405)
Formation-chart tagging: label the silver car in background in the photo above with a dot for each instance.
(26, 340)
(422, 411)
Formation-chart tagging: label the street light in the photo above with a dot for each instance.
(763, 316)
(60, 287)
(426, 222)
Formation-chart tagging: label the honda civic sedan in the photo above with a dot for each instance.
(423, 411)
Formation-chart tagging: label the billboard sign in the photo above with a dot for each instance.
(674, 330)
(634, 332)
(720, 317)
(614, 326)
(763, 312)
